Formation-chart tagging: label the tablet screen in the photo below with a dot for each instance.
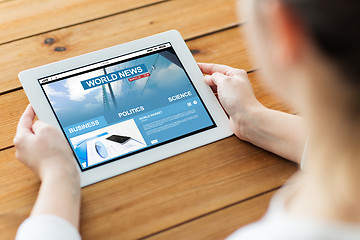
(118, 107)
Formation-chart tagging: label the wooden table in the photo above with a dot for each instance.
(206, 193)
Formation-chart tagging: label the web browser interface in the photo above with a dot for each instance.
(118, 107)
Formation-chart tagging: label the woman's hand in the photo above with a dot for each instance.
(275, 131)
(235, 94)
(42, 148)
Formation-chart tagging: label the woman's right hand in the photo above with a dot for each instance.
(42, 148)
(235, 94)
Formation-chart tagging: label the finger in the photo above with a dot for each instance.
(38, 126)
(218, 78)
(24, 126)
(215, 79)
(209, 80)
(211, 68)
(26, 120)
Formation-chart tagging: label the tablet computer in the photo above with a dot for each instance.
(127, 106)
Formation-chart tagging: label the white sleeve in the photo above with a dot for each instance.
(47, 227)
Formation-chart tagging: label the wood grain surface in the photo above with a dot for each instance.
(221, 223)
(23, 18)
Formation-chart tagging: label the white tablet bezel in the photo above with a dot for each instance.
(37, 98)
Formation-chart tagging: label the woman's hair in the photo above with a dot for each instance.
(334, 26)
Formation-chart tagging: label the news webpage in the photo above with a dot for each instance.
(118, 107)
